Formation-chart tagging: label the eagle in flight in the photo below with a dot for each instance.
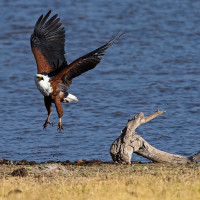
(54, 75)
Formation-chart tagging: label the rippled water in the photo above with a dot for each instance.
(155, 65)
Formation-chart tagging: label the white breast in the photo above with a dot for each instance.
(44, 86)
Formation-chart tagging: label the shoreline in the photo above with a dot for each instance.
(96, 179)
(67, 162)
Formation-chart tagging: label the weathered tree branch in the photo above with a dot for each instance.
(152, 116)
(128, 143)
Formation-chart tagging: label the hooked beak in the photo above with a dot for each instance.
(39, 78)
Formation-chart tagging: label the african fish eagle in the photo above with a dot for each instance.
(54, 76)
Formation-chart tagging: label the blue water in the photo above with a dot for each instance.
(155, 65)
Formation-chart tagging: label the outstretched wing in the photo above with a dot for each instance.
(83, 64)
(48, 43)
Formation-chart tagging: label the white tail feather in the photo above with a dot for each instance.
(69, 98)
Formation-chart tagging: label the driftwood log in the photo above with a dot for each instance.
(129, 142)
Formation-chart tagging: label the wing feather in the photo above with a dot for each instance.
(83, 64)
(48, 43)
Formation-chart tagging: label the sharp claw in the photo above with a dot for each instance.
(46, 123)
(60, 127)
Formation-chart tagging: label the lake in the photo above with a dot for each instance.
(154, 65)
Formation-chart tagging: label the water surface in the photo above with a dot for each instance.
(155, 65)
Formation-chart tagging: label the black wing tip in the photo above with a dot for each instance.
(115, 37)
(49, 12)
(98, 53)
(54, 16)
(42, 20)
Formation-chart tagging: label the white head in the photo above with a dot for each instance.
(43, 84)
(42, 77)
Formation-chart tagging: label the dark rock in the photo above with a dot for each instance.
(20, 172)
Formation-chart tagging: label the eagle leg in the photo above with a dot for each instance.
(60, 127)
(59, 108)
(47, 102)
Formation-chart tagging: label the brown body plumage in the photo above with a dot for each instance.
(54, 75)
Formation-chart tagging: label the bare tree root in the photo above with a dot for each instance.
(129, 142)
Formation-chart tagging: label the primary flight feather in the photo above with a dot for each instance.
(54, 76)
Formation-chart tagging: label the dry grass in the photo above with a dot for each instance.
(138, 181)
